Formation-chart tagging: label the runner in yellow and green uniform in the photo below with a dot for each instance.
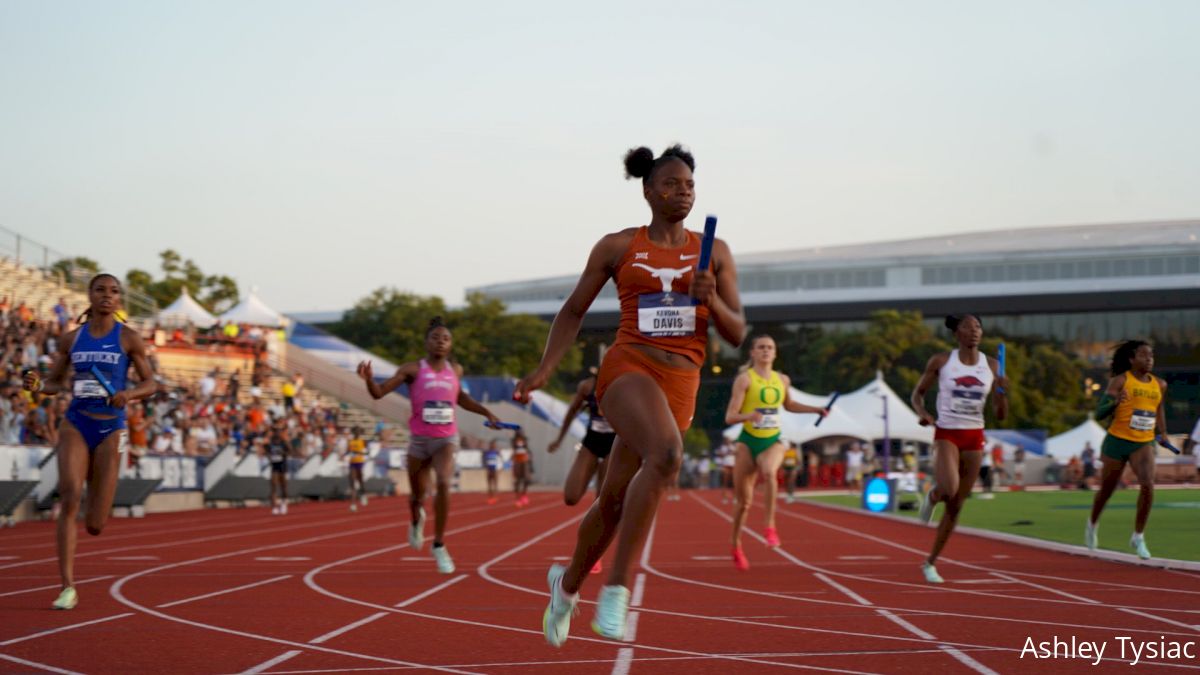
(356, 450)
(1134, 398)
(759, 396)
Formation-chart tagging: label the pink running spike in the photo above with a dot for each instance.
(739, 560)
(772, 537)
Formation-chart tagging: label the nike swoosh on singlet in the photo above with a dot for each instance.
(688, 257)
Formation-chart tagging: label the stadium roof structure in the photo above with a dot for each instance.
(1146, 265)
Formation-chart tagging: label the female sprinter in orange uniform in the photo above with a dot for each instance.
(648, 380)
(89, 438)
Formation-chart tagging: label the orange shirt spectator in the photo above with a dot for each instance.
(256, 418)
(138, 438)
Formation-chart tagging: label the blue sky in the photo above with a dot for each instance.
(318, 150)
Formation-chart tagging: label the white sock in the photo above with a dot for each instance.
(569, 597)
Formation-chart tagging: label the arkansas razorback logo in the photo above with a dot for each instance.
(968, 381)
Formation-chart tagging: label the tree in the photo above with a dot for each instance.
(78, 268)
(216, 293)
(1047, 381)
(487, 341)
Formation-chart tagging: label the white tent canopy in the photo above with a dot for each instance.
(865, 406)
(801, 428)
(1070, 443)
(254, 312)
(186, 310)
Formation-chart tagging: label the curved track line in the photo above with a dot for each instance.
(921, 612)
(116, 592)
(837, 603)
(202, 540)
(1110, 584)
(310, 580)
(962, 591)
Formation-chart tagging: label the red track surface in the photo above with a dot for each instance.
(324, 590)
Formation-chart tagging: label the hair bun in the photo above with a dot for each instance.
(952, 322)
(639, 162)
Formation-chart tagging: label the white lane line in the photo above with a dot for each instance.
(118, 594)
(124, 558)
(845, 591)
(362, 622)
(241, 533)
(1048, 589)
(40, 666)
(639, 589)
(631, 624)
(52, 587)
(483, 572)
(968, 661)
(900, 621)
(265, 665)
(214, 594)
(964, 658)
(60, 629)
(1160, 618)
(665, 659)
(838, 603)
(347, 628)
(624, 661)
(969, 566)
(1018, 541)
(421, 596)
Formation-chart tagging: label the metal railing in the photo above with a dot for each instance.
(35, 255)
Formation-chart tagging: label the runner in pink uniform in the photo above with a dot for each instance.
(434, 391)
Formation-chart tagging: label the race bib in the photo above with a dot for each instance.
(666, 315)
(437, 412)
(89, 388)
(966, 402)
(600, 426)
(770, 419)
(1142, 420)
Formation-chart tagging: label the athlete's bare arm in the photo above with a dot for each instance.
(403, 375)
(927, 379)
(1000, 388)
(581, 393)
(600, 267)
(795, 406)
(733, 413)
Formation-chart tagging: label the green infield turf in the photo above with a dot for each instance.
(1173, 530)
